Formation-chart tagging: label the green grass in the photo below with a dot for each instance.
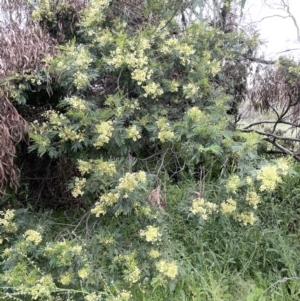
(222, 260)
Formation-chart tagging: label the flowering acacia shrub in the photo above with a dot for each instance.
(105, 262)
(141, 98)
(241, 194)
(144, 104)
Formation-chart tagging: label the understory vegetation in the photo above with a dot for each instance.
(126, 172)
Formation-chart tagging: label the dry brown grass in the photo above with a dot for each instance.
(23, 50)
(13, 129)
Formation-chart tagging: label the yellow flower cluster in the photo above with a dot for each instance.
(131, 180)
(134, 59)
(83, 273)
(94, 13)
(92, 297)
(96, 165)
(184, 49)
(165, 132)
(106, 239)
(228, 207)
(154, 254)
(151, 234)
(99, 209)
(144, 44)
(249, 181)
(66, 278)
(124, 296)
(105, 167)
(132, 275)
(55, 118)
(81, 80)
(7, 253)
(121, 296)
(141, 176)
(190, 90)
(67, 133)
(133, 133)
(64, 251)
(253, 199)
(137, 59)
(117, 58)
(109, 198)
(141, 75)
(104, 36)
(233, 183)
(173, 86)
(78, 187)
(202, 207)
(105, 131)
(33, 236)
(42, 289)
(84, 166)
(106, 200)
(77, 103)
(144, 210)
(128, 183)
(38, 128)
(195, 114)
(82, 58)
(168, 269)
(283, 165)
(42, 11)
(153, 90)
(132, 272)
(215, 67)
(246, 218)
(7, 221)
(128, 106)
(131, 104)
(165, 135)
(269, 177)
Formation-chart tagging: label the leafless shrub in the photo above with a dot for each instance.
(275, 90)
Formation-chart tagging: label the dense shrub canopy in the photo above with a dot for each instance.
(138, 98)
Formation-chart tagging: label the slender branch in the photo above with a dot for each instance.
(283, 149)
(288, 50)
(269, 135)
(267, 121)
(268, 17)
(294, 20)
(274, 110)
(275, 152)
(259, 60)
(172, 17)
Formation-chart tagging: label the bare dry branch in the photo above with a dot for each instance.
(283, 149)
(262, 122)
